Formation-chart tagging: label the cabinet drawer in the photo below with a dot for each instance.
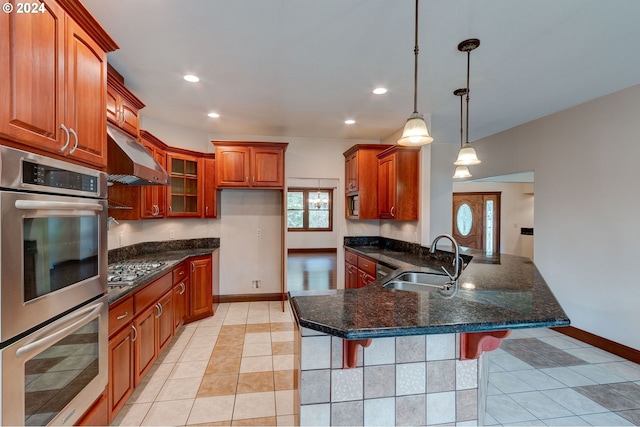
(180, 273)
(351, 258)
(367, 265)
(120, 315)
(151, 293)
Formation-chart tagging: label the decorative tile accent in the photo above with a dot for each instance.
(315, 386)
(379, 381)
(347, 413)
(411, 378)
(410, 349)
(441, 408)
(441, 347)
(316, 352)
(466, 374)
(380, 412)
(346, 384)
(381, 351)
(410, 410)
(441, 376)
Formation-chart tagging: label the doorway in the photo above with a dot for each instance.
(476, 220)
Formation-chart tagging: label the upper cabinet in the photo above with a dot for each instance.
(184, 195)
(122, 106)
(210, 206)
(250, 164)
(398, 183)
(52, 94)
(361, 180)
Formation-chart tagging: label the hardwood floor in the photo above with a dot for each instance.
(311, 271)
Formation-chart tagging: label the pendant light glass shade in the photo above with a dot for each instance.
(462, 172)
(467, 156)
(415, 132)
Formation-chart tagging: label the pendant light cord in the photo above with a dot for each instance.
(461, 116)
(468, 61)
(415, 67)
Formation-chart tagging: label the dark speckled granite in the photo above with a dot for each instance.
(496, 292)
(171, 252)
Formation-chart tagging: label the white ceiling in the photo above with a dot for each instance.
(301, 67)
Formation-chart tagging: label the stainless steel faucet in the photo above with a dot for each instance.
(456, 261)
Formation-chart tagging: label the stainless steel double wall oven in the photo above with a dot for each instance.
(53, 304)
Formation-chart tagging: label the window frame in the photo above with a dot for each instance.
(305, 210)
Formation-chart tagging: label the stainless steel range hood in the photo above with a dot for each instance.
(129, 163)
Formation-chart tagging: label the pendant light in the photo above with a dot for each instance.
(467, 155)
(415, 131)
(461, 171)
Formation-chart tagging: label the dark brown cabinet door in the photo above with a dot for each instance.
(200, 288)
(210, 209)
(180, 303)
(351, 276)
(232, 166)
(351, 172)
(121, 370)
(146, 342)
(164, 321)
(386, 188)
(267, 167)
(154, 197)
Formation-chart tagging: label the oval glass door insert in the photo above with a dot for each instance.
(464, 219)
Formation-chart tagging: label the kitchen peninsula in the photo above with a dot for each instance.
(377, 356)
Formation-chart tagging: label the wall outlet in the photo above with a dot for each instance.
(121, 239)
(172, 233)
(255, 284)
(259, 232)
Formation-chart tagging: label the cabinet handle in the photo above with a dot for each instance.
(122, 316)
(391, 211)
(66, 141)
(159, 308)
(193, 267)
(75, 135)
(206, 210)
(135, 333)
(170, 210)
(183, 287)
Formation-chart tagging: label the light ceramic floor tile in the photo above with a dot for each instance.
(538, 380)
(193, 353)
(628, 370)
(286, 421)
(568, 376)
(575, 402)
(171, 412)
(218, 385)
(592, 355)
(258, 327)
(606, 419)
(283, 362)
(132, 414)
(222, 365)
(282, 336)
(507, 382)
(183, 388)
(597, 374)
(195, 369)
(256, 364)
(285, 402)
(565, 421)
(146, 392)
(540, 405)
(252, 422)
(159, 372)
(211, 409)
(257, 349)
(510, 363)
(283, 380)
(259, 337)
(262, 318)
(255, 382)
(506, 411)
(254, 405)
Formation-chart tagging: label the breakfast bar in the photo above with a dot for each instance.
(380, 356)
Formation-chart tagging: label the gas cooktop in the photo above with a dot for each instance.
(126, 273)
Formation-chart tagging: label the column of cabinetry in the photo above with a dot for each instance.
(359, 270)
(361, 181)
(398, 183)
(200, 295)
(180, 287)
(122, 335)
(123, 107)
(249, 164)
(210, 196)
(185, 192)
(57, 107)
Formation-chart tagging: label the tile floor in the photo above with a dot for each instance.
(236, 369)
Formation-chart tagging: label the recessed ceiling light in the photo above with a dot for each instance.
(349, 122)
(192, 78)
(214, 115)
(380, 90)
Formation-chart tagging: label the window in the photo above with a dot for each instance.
(309, 209)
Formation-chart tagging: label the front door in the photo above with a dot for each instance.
(476, 220)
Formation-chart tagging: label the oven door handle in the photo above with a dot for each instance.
(41, 204)
(46, 337)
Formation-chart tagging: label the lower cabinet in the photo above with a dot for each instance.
(359, 270)
(142, 325)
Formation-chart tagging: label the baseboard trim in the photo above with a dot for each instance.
(310, 250)
(250, 297)
(602, 343)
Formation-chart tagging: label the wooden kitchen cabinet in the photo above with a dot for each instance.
(359, 270)
(210, 196)
(249, 164)
(180, 303)
(146, 349)
(121, 369)
(123, 107)
(398, 183)
(56, 108)
(184, 195)
(361, 180)
(200, 294)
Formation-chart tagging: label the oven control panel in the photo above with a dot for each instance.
(49, 176)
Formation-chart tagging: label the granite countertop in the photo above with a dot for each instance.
(497, 292)
(171, 253)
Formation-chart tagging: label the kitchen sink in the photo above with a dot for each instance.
(419, 281)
